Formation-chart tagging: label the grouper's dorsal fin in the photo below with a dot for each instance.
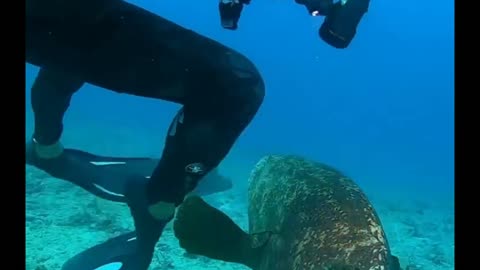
(204, 230)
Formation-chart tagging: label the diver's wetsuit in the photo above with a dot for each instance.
(126, 49)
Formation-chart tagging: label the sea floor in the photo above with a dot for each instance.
(62, 220)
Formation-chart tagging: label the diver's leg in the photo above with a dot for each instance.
(62, 47)
(51, 94)
(145, 55)
(219, 102)
(103, 176)
(220, 91)
(50, 98)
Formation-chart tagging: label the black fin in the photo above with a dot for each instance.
(106, 177)
(204, 230)
(117, 252)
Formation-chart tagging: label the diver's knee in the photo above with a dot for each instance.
(257, 93)
(249, 87)
(253, 96)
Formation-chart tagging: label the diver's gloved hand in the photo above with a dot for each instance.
(230, 11)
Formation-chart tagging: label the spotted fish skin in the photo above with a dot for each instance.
(319, 218)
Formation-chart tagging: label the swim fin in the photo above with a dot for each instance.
(102, 176)
(132, 251)
(106, 177)
(204, 230)
(114, 254)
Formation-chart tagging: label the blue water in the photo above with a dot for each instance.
(382, 110)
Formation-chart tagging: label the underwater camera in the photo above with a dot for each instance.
(341, 19)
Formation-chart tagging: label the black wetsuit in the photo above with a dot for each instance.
(121, 47)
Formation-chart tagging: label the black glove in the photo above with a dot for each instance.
(230, 11)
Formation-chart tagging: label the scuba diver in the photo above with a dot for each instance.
(126, 49)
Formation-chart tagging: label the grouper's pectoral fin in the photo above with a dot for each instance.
(204, 230)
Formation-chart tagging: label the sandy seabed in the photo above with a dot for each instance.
(62, 220)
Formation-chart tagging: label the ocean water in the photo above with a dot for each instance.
(381, 111)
